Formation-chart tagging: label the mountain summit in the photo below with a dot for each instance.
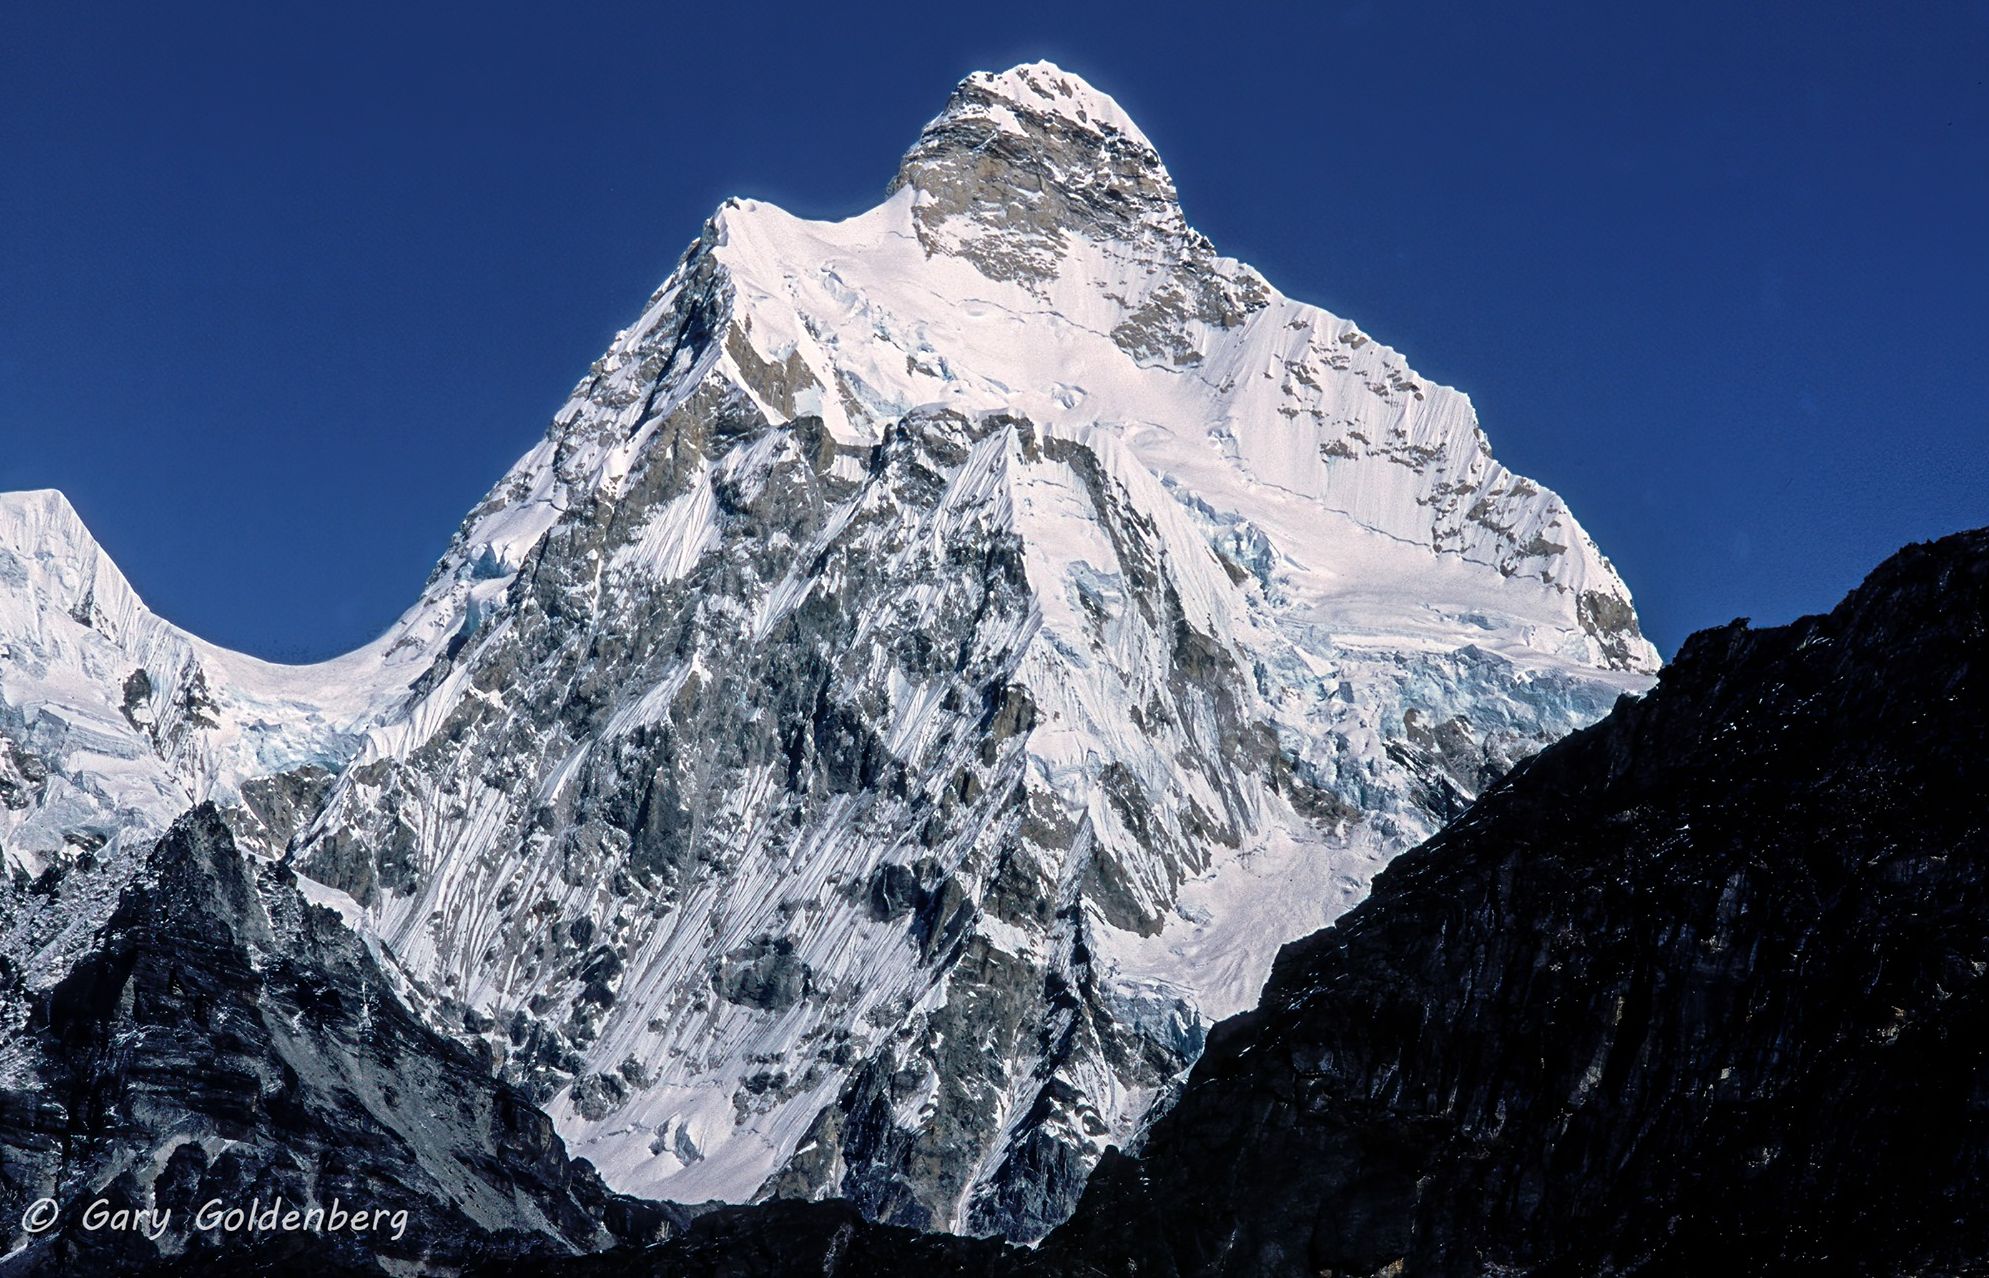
(1028, 159)
(931, 663)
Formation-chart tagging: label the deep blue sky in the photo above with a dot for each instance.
(284, 289)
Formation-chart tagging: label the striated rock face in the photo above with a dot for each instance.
(223, 1039)
(930, 665)
(1702, 989)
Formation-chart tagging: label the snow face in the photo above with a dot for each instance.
(1289, 420)
(931, 664)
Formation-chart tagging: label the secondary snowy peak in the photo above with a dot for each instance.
(53, 559)
(99, 699)
(113, 722)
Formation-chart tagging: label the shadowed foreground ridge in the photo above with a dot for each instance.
(224, 1041)
(1698, 990)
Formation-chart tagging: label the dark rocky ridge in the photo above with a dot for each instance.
(224, 1039)
(1698, 990)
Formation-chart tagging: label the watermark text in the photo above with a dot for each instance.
(218, 1215)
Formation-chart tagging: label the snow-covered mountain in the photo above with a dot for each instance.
(929, 666)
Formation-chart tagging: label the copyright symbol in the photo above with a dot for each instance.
(40, 1215)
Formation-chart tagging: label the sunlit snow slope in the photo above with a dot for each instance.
(931, 664)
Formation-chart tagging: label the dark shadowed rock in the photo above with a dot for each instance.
(225, 1040)
(1699, 990)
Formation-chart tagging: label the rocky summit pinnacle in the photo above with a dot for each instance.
(1032, 155)
(928, 667)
